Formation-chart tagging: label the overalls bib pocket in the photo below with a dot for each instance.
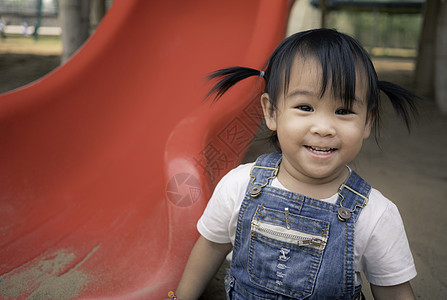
(285, 251)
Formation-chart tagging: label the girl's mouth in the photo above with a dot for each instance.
(320, 150)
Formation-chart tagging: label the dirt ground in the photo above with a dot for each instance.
(410, 169)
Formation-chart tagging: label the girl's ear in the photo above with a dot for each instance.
(368, 126)
(269, 112)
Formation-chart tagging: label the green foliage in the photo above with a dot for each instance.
(379, 30)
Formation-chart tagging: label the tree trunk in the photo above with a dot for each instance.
(441, 59)
(97, 12)
(424, 76)
(323, 8)
(74, 20)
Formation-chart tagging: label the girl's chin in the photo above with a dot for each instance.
(325, 174)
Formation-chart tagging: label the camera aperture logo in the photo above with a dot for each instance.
(183, 190)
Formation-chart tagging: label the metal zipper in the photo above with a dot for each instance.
(288, 235)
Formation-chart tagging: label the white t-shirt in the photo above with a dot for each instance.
(381, 247)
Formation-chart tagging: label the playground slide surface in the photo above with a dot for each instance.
(107, 163)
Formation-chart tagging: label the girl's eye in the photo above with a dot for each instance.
(305, 108)
(343, 111)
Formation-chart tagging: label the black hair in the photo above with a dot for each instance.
(340, 56)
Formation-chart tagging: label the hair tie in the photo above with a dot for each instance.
(172, 295)
(261, 73)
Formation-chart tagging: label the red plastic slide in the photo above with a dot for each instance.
(107, 163)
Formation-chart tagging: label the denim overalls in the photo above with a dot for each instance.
(289, 246)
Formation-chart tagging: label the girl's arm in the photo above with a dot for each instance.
(204, 261)
(397, 292)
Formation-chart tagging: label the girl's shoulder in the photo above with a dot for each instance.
(242, 169)
(237, 176)
(379, 204)
(233, 184)
(380, 217)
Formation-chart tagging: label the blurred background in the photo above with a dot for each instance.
(407, 41)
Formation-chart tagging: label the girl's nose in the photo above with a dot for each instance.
(323, 127)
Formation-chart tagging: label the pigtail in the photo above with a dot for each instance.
(403, 101)
(229, 77)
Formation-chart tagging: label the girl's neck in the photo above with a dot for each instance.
(318, 189)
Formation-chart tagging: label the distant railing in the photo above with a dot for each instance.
(28, 7)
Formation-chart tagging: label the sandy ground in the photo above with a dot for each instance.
(408, 168)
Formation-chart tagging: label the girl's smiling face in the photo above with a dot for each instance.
(318, 135)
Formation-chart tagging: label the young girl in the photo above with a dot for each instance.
(300, 223)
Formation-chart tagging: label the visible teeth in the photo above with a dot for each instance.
(318, 149)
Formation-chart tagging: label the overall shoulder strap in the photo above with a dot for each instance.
(263, 171)
(353, 196)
